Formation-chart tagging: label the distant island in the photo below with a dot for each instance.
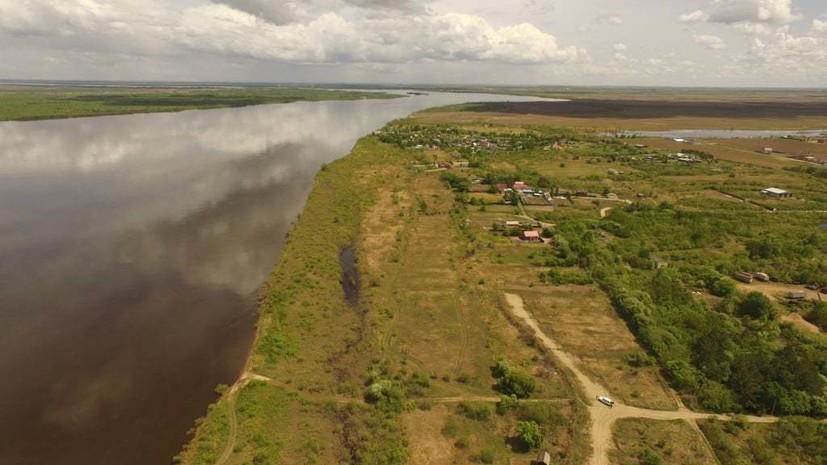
(25, 102)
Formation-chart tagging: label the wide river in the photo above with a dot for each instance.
(131, 252)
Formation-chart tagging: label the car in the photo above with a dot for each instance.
(607, 401)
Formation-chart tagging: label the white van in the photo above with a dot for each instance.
(605, 401)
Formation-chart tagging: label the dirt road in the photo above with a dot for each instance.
(602, 417)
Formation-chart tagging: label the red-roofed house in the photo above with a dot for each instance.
(502, 187)
(531, 236)
(519, 185)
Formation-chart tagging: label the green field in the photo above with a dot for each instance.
(22, 103)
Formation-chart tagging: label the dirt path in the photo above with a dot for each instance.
(602, 417)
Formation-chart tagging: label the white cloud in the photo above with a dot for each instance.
(619, 47)
(289, 33)
(609, 19)
(776, 12)
(697, 16)
(710, 42)
(819, 26)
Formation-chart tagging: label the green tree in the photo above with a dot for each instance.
(530, 433)
(756, 306)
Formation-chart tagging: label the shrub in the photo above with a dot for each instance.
(479, 411)
(530, 433)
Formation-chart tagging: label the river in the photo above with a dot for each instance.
(131, 252)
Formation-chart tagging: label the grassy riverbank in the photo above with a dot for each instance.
(22, 103)
(409, 369)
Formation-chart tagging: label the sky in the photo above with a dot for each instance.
(728, 43)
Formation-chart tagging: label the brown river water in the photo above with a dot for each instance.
(131, 251)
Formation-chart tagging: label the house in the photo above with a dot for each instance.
(519, 185)
(776, 193)
(502, 187)
(544, 458)
(531, 236)
(612, 196)
(767, 150)
(512, 224)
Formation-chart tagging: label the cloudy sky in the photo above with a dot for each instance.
(552, 42)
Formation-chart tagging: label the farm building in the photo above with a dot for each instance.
(544, 458)
(531, 236)
(776, 193)
(512, 224)
(767, 150)
(519, 185)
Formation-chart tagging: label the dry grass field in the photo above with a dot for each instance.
(673, 442)
(627, 114)
(582, 319)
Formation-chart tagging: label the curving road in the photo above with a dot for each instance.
(602, 417)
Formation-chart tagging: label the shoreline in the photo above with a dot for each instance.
(41, 103)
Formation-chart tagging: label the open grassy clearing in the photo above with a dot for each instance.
(581, 318)
(24, 103)
(644, 441)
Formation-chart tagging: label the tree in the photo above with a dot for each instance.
(818, 315)
(755, 305)
(530, 433)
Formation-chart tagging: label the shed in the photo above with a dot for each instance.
(796, 295)
(761, 276)
(743, 277)
(531, 236)
(543, 458)
(777, 193)
(767, 150)
(512, 224)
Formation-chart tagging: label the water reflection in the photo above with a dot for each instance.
(131, 249)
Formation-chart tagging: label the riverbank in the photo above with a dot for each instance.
(310, 340)
(26, 103)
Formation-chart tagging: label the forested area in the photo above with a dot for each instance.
(726, 354)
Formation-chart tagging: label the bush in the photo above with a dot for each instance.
(487, 456)
(479, 411)
(530, 433)
(506, 404)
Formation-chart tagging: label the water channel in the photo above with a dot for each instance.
(131, 251)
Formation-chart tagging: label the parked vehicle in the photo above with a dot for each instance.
(607, 401)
